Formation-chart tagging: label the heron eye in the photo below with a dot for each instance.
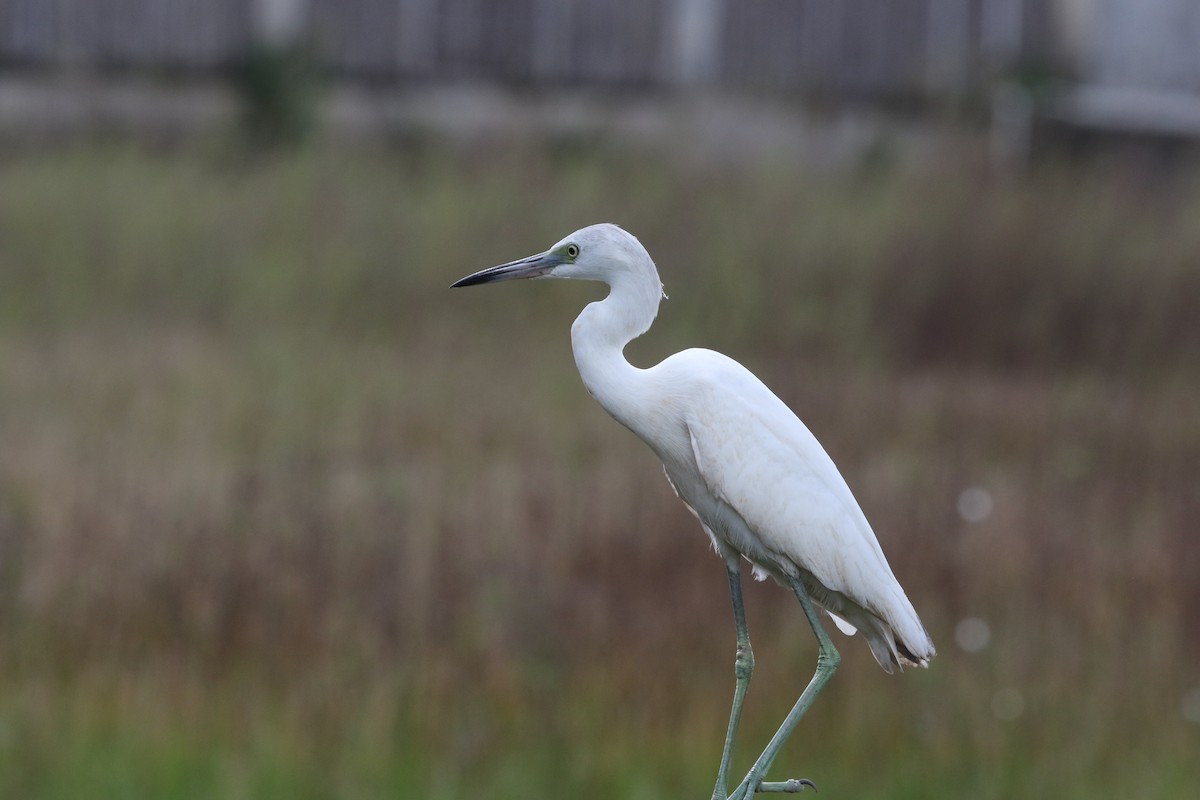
(572, 250)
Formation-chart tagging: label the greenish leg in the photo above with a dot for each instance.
(827, 663)
(743, 668)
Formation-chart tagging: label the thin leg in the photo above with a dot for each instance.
(827, 663)
(743, 668)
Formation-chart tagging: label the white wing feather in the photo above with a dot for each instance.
(756, 456)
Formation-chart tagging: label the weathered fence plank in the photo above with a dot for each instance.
(930, 48)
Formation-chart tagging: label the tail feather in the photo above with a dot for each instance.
(912, 658)
(890, 650)
(910, 643)
(892, 628)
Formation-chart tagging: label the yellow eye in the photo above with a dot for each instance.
(572, 251)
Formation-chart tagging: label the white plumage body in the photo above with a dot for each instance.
(747, 467)
(763, 487)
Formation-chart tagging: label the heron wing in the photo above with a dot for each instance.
(765, 486)
(758, 458)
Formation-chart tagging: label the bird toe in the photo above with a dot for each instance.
(790, 786)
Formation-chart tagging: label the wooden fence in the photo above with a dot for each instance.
(873, 48)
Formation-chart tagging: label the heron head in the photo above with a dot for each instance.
(598, 252)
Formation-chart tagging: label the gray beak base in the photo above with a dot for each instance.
(531, 267)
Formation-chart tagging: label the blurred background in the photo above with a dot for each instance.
(281, 516)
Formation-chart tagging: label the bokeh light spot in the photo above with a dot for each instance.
(972, 634)
(975, 504)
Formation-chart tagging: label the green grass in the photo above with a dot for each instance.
(280, 516)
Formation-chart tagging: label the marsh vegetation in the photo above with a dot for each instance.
(280, 516)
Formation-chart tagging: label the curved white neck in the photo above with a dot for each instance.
(601, 331)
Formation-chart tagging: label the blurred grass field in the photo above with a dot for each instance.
(281, 516)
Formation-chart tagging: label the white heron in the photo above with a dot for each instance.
(760, 483)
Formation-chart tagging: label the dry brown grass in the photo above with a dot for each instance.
(395, 534)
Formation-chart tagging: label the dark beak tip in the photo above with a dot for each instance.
(531, 267)
(470, 280)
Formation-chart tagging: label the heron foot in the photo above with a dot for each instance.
(790, 786)
(753, 784)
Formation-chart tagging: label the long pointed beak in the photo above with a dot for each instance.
(531, 267)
